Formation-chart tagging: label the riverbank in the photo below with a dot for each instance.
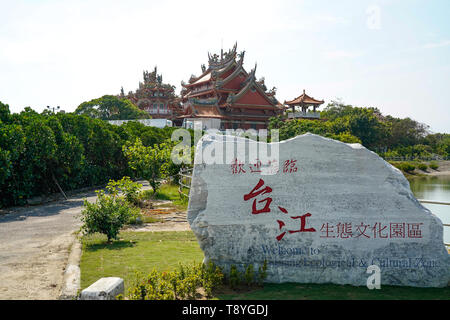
(442, 170)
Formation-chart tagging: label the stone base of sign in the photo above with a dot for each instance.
(330, 211)
(104, 289)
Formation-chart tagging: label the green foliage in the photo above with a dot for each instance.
(111, 108)
(185, 282)
(5, 114)
(150, 163)
(127, 187)
(434, 165)
(422, 166)
(262, 273)
(137, 218)
(107, 215)
(76, 151)
(180, 284)
(234, 278)
(249, 275)
(391, 137)
(345, 137)
(5, 165)
(131, 191)
(404, 166)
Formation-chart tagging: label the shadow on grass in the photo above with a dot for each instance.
(115, 245)
(162, 196)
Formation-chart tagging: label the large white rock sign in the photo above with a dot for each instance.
(321, 213)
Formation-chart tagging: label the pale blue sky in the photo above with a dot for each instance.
(390, 54)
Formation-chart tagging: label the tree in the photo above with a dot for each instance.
(150, 163)
(5, 114)
(111, 108)
(5, 165)
(405, 132)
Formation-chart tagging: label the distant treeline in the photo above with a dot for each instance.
(388, 136)
(39, 150)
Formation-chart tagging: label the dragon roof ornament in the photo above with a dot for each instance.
(216, 62)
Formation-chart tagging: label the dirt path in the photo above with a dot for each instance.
(171, 220)
(34, 248)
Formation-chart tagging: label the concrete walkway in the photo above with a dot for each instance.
(34, 248)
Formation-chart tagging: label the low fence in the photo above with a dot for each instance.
(442, 203)
(185, 181)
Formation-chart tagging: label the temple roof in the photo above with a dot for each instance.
(304, 99)
(251, 82)
(203, 112)
(229, 87)
(204, 78)
(218, 62)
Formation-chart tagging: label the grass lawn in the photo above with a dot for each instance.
(136, 251)
(169, 192)
(295, 291)
(145, 251)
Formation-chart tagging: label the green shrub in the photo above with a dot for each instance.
(107, 215)
(249, 275)
(408, 167)
(234, 277)
(262, 273)
(127, 187)
(403, 166)
(422, 166)
(180, 284)
(187, 280)
(146, 195)
(434, 165)
(136, 217)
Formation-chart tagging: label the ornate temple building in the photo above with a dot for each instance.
(155, 97)
(226, 96)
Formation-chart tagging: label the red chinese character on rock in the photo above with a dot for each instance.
(290, 166)
(254, 193)
(397, 230)
(237, 167)
(344, 230)
(281, 224)
(362, 232)
(327, 229)
(271, 167)
(303, 224)
(303, 228)
(378, 229)
(255, 167)
(414, 230)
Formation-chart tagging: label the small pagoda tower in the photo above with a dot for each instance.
(226, 96)
(303, 102)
